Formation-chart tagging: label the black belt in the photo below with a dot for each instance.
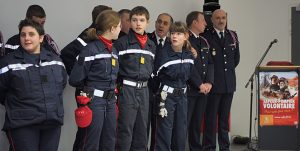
(106, 94)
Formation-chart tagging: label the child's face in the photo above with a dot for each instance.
(30, 39)
(139, 23)
(178, 39)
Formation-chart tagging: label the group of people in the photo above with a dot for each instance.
(140, 87)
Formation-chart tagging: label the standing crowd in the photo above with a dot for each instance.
(132, 87)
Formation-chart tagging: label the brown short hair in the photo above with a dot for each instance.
(140, 10)
(191, 17)
(97, 10)
(35, 10)
(28, 22)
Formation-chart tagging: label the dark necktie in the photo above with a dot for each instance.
(160, 45)
(221, 35)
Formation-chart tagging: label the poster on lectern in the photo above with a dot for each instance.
(278, 98)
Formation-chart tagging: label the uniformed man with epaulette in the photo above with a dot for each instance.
(201, 80)
(224, 47)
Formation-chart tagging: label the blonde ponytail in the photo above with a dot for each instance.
(91, 34)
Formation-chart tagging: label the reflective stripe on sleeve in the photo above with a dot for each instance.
(178, 61)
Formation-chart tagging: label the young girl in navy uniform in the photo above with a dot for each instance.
(173, 66)
(96, 72)
(32, 80)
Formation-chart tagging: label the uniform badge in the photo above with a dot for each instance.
(142, 60)
(113, 62)
(214, 52)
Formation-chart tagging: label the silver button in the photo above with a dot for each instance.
(224, 55)
(202, 57)
(225, 69)
(224, 48)
(204, 73)
(201, 49)
(203, 65)
(225, 62)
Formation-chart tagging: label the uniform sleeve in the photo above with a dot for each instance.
(11, 44)
(210, 70)
(81, 68)
(195, 78)
(4, 80)
(70, 52)
(237, 52)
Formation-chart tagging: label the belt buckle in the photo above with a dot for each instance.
(139, 84)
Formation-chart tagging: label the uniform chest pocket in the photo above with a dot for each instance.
(20, 83)
(130, 60)
(58, 77)
(101, 66)
(186, 69)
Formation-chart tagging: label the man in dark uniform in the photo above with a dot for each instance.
(159, 37)
(37, 14)
(201, 80)
(125, 21)
(224, 47)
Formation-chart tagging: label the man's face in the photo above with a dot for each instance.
(162, 25)
(281, 84)
(200, 23)
(219, 19)
(125, 22)
(39, 20)
(139, 23)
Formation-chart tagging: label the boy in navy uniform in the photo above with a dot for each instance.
(136, 57)
(225, 52)
(201, 80)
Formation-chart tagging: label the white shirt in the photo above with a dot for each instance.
(157, 39)
(218, 31)
(197, 36)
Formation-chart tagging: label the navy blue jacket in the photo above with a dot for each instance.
(203, 71)
(96, 67)
(153, 81)
(226, 57)
(174, 68)
(31, 88)
(136, 64)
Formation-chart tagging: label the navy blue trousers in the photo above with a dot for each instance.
(34, 138)
(171, 131)
(218, 108)
(101, 134)
(133, 118)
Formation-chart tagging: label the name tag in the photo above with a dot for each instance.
(142, 60)
(113, 62)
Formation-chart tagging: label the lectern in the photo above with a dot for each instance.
(278, 107)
